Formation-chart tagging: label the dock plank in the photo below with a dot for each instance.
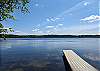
(76, 62)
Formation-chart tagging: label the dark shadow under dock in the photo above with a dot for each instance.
(67, 66)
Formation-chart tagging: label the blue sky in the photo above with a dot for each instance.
(58, 17)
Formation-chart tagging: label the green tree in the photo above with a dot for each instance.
(7, 7)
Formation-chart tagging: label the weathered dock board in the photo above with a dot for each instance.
(77, 63)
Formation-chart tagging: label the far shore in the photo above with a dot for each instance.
(49, 36)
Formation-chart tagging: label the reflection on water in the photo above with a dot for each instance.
(45, 54)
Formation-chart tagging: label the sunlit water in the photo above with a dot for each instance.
(45, 54)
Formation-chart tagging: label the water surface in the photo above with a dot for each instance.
(45, 54)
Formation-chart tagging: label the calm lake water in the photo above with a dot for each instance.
(45, 54)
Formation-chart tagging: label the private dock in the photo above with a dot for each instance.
(76, 63)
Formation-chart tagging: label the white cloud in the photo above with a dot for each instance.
(35, 30)
(91, 19)
(52, 19)
(48, 19)
(60, 24)
(18, 33)
(49, 26)
(57, 18)
(78, 29)
(86, 3)
(83, 29)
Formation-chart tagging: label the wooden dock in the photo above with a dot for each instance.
(77, 63)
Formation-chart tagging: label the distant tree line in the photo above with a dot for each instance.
(50, 36)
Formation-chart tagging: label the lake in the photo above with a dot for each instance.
(45, 54)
